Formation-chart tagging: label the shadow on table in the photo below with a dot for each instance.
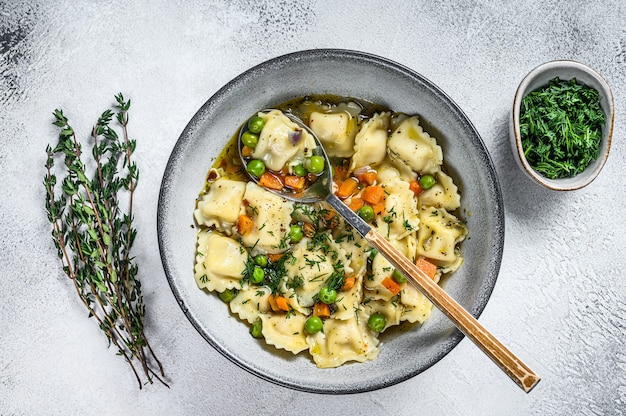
(523, 198)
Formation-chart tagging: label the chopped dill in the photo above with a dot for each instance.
(561, 128)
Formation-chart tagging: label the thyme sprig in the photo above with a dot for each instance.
(93, 233)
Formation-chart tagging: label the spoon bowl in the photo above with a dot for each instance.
(321, 190)
(318, 190)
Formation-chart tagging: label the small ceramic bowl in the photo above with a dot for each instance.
(541, 76)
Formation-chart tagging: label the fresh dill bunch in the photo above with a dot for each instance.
(90, 208)
(561, 128)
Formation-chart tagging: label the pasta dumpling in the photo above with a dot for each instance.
(219, 208)
(416, 307)
(350, 299)
(336, 130)
(285, 332)
(352, 245)
(250, 302)
(382, 269)
(312, 268)
(342, 341)
(271, 215)
(400, 217)
(410, 145)
(370, 144)
(444, 194)
(276, 146)
(392, 311)
(439, 232)
(220, 262)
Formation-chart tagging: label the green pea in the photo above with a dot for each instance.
(299, 170)
(313, 325)
(256, 124)
(427, 181)
(367, 213)
(295, 233)
(256, 167)
(377, 322)
(398, 277)
(257, 275)
(315, 164)
(250, 139)
(327, 295)
(227, 295)
(260, 260)
(256, 329)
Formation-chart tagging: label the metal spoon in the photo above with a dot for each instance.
(321, 190)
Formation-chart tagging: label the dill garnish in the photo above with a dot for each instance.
(275, 272)
(561, 127)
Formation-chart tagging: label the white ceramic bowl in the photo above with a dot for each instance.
(404, 352)
(541, 76)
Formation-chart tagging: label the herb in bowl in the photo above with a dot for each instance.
(561, 128)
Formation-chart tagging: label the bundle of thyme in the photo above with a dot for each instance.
(91, 212)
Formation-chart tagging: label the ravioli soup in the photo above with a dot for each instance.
(297, 274)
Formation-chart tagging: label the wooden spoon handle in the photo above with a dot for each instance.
(519, 372)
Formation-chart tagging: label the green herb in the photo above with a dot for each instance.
(561, 127)
(337, 278)
(295, 282)
(284, 241)
(276, 271)
(315, 263)
(93, 233)
(407, 226)
(248, 271)
(392, 215)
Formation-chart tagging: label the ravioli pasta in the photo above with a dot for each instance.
(278, 263)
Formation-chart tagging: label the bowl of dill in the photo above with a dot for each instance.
(562, 124)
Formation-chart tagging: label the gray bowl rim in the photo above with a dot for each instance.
(498, 237)
(567, 184)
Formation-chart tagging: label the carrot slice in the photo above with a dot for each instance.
(308, 229)
(427, 267)
(321, 310)
(246, 151)
(278, 303)
(331, 220)
(391, 285)
(347, 188)
(282, 303)
(374, 194)
(348, 283)
(368, 178)
(275, 257)
(340, 173)
(356, 204)
(415, 187)
(244, 224)
(294, 182)
(272, 301)
(271, 181)
(378, 208)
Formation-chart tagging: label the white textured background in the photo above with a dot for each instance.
(560, 299)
